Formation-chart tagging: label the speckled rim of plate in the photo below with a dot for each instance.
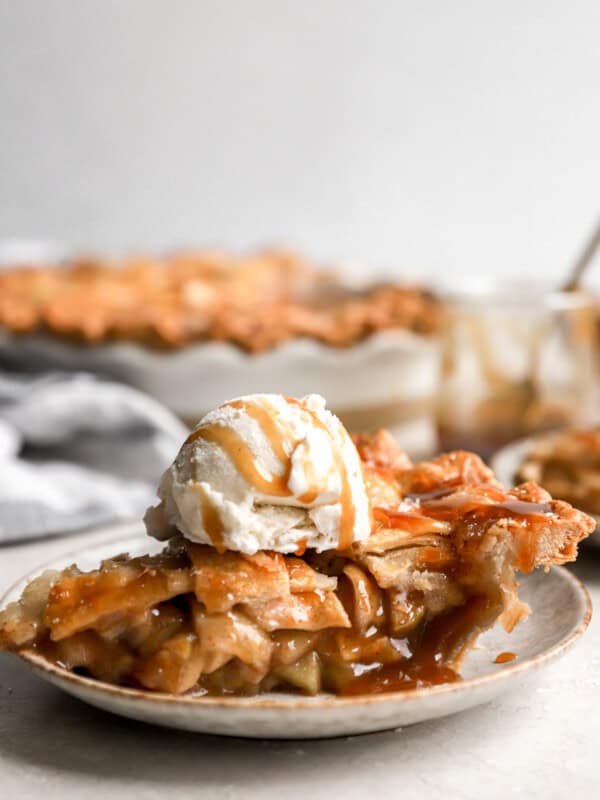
(46, 668)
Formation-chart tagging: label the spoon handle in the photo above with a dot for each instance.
(584, 259)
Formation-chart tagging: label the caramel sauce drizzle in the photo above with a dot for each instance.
(301, 549)
(277, 485)
(520, 508)
(348, 512)
(243, 459)
(411, 521)
(311, 495)
(211, 521)
(266, 416)
(399, 677)
(447, 503)
(277, 434)
(504, 658)
(474, 511)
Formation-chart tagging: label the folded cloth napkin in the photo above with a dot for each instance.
(77, 451)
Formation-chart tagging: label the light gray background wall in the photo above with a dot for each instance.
(432, 135)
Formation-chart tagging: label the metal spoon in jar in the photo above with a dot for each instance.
(583, 261)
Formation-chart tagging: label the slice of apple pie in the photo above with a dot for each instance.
(392, 610)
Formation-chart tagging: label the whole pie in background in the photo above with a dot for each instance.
(192, 329)
(255, 302)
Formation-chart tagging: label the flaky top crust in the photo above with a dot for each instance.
(458, 489)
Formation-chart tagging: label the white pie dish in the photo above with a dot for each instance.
(561, 610)
(386, 369)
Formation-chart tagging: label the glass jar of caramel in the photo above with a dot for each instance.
(517, 358)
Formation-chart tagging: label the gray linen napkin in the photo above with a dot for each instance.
(77, 451)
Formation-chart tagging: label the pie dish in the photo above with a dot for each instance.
(195, 329)
(394, 606)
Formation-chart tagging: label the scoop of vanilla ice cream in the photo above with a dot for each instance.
(265, 472)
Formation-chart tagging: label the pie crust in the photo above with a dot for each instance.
(255, 302)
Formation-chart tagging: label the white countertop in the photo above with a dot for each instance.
(543, 742)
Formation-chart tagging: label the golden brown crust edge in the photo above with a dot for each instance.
(255, 302)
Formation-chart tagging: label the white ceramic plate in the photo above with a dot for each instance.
(506, 463)
(561, 610)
